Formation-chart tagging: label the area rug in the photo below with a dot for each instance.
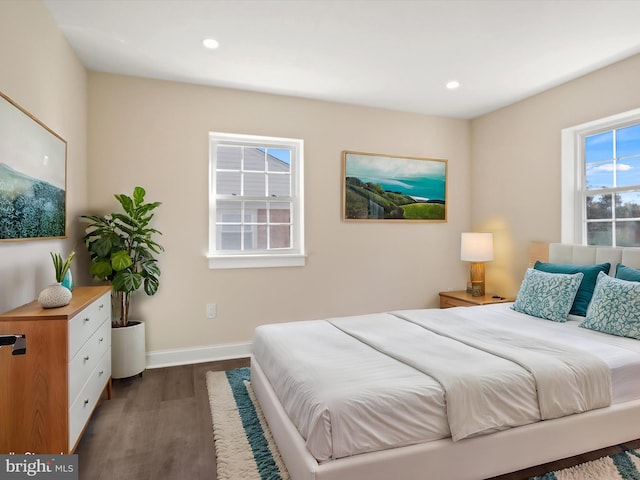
(245, 448)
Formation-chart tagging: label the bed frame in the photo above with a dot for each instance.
(473, 458)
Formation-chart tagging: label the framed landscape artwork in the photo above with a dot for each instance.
(33, 176)
(393, 188)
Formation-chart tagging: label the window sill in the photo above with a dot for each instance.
(255, 261)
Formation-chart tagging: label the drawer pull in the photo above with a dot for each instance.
(86, 402)
(86, 320)
(101, 339)
(86, 359)
(101, 306)
(101, 372)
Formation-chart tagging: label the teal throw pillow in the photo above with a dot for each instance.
(615, 307)
(547, 295)
(585, 292)
(627, 273)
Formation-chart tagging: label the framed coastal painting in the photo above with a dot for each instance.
(33, 176)
(379, 187)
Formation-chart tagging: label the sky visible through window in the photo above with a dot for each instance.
(600, 153)
(281, 154)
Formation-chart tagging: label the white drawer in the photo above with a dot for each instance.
(82, 407)
(85, 361)
(82, 325)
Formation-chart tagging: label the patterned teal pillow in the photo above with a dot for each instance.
(585, 292)
(547, 295)
(615, 307)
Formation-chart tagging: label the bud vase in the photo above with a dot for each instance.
(67, 281)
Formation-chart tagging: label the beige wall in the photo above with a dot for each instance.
(516, 163)
(155, 134)
(40, 72)
(504, 177)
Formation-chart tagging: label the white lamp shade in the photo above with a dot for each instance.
(476, 247)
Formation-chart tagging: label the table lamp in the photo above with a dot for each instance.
(476, 248)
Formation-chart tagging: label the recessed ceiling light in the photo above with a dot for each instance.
(453, 84)
(210, 43)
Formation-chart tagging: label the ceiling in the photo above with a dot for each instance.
(393, 54)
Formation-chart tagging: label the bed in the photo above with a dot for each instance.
(363, 398)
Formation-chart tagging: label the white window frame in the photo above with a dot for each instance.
(289, 257)
(572, 205)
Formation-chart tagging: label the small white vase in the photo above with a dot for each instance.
(54, 296)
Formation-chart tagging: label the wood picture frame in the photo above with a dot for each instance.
(378, 187)
(33, 176)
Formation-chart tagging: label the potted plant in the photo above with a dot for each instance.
(59, 294)
(62, 266)
(123, 249)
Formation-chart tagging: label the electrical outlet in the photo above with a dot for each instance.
(212, 310)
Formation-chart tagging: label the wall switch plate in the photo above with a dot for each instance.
(212, 310)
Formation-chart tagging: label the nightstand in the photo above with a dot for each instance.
(463, 299)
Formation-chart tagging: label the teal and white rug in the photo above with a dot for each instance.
(245, 448)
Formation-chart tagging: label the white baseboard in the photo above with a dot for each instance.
(187, 356)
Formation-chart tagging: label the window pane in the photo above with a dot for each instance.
(261, 239)
(628, 172)
(228, 183)
(628, 234)
(279, 160)
(280, 212)
(228, 158)
(230, 237)
(598, 147)
(280, 236)
(599, 207)
(628, 205)
(228, 211)
(251, 237)
(628, 141)
(279, 185)
(256, 212)
(599, 175)
(254, 184)
(254, 159)
(599, 233)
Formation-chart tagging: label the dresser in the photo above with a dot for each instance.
(49, 392)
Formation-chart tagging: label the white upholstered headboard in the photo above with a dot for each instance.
(587, 254)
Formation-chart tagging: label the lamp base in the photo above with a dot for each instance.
(477, 279)
(477, 289)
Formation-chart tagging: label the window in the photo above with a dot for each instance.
(601, 182)
(255, 201)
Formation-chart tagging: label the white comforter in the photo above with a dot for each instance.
(370, 382)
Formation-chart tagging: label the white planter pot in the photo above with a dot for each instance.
(128, 350)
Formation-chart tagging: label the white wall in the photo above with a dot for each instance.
(41, 73)
(155, 134)
(516, 163)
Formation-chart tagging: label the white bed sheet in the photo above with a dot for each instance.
(372, 383)
(621, 354)
(399, 405)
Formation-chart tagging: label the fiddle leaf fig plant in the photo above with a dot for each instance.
(123, 249)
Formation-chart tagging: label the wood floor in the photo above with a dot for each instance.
(158, 427)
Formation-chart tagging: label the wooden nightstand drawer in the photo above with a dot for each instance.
(464, 299)
(447, 302)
